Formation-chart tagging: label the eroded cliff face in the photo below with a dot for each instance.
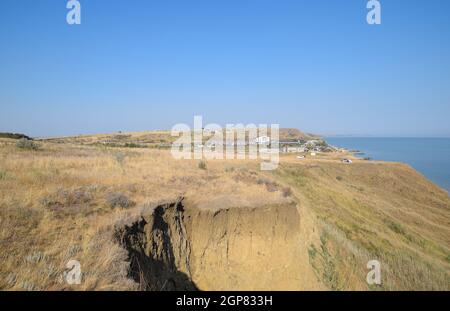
(180, 247)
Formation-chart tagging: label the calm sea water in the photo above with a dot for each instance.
(430, 156)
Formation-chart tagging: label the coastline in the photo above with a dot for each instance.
(429, 156)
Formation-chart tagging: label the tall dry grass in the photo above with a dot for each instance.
(375, 211)
(55, 205)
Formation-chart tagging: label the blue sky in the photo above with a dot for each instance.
(146, 64)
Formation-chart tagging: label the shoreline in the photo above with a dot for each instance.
(428, 169)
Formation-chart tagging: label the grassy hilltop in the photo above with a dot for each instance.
(100, 199)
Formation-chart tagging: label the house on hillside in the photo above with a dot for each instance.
(289, 149)
(262, 140)
(313, 142)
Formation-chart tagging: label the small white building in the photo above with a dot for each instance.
(347, 161)
(312, 142)
(292, 149)
(313, 154)
(262, 140)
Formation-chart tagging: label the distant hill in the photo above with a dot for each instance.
(295, 134)
(158, 138)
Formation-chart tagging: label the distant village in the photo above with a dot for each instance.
(312, 147)
(291, 141)
(286, 146)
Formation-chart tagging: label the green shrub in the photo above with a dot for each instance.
(27, 144)
(229, 169)
(133, 145)
(312, 251)
(118, 199)
(396, 227)
(2, 175)
(271, 186)
(66, 198)
(287, 192)
(202, 165)
(120, 158)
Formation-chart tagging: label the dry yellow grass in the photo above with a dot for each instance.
(42, 214)
(376, 210)
(54, 207)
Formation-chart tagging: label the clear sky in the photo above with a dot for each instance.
(148, 64)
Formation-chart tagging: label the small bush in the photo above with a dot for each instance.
(65, 198)
(396, 227)
(229, 169)
(2, 175)
(118, 199)
(133, 145)
(262, 181)
(271, 186)
(312, 251)
(339, 178)
(27, 144)
(287, 192)
(78, 196)
(120, 158)
(202, 165)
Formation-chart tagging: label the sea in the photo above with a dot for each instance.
(430, 156)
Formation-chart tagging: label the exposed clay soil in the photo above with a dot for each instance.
(180, 247)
